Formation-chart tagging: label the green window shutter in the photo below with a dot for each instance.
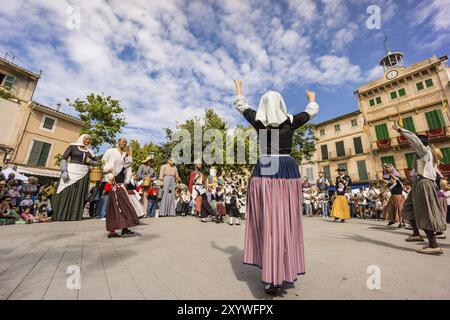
(340, 149)
(358, 145)
(446, 154)
(362, 170)
(410, 159)
(394, 95)
(429, 83)
(408, 124)
(420, 86)
(48, 123)
(44, 155)
(324, 151)
(388, 159)
(435, 119)
(326, 172)
(9, 82)
(35, 153)
(378, 100)
(382, 132)
(402, 92)
(371, 102)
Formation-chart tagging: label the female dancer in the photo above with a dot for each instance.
(273, 234)
(341, 209)
(69, 201)
(392, 211)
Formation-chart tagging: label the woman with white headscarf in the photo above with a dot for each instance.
(69, 201)
(274, 235)
(393, 209)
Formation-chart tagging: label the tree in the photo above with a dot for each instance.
(304, 143)
(140, 153)
(102, 117)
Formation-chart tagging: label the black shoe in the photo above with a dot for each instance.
(342, 220)
(114, 235)
(390, 223)
(271, 290)
(127, 231)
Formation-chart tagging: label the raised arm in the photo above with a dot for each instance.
(310, 112)
(416, 144)
(240, 103)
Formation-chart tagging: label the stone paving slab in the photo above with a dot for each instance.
(182, 258)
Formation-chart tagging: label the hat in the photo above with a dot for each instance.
(340, 169)
(148, 159)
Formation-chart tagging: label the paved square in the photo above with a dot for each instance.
(182, 258)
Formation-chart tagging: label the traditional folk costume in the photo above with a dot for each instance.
(135, 198)
(145, 175)
(392, 211)
(120, 213)
(168, 174)
(70, 198)
(422, 208)
(341, 209)
(273, 234)
(197, 180)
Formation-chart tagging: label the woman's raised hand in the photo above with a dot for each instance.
(311, 96)
(238, 85)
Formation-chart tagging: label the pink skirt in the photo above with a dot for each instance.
(274, 231)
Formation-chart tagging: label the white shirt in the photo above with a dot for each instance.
(116, 161)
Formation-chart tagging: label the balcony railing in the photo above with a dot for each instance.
(334, 155)
(385, 143)
(436, 134)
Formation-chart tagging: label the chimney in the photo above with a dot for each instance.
(58, 106)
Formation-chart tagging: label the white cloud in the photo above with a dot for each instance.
(375, 73)
(182, 56)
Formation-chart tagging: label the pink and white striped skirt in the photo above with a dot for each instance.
(274, 230)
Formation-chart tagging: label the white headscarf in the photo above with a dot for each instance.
(80, 143)
(272, 110)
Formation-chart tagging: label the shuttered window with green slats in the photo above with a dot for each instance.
(435, 119)
(326, 172)
(340, 149)
(388, 159)
(358, 145)
(408, 124)
(410, 159)
(362, 170)
(382, 132)
(324, 150)
(39, 153)
(446, 154)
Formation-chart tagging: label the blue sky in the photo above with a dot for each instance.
(169, 60)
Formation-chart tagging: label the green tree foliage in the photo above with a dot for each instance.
(102, 116)
(304, 143)
(140, 153)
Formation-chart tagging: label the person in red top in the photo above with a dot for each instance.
(152, 197)
(104, 201)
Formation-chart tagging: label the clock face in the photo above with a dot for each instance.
(392, 74)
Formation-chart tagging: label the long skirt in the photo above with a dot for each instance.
(274, 230)
(221, 209)
(207, 210)
(68, 203)
(422, 205)
(340, 209)
(120, 212)
(168, 203)
(138, 207)
(392, 211)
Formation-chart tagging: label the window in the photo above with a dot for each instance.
(8, 82)
(326, 172)
(378, 99)
(358, 145)
(429, 83)
(402, 92)
(48, 123)
(343, 166)
(324, 150)
(337, 128)
(435, 119)
(372, 102)
(446, 154)
(340, 150)
(39, 153)
(408, 124)
(322, 132)
(354, 123)
(420, 86)
(410, 159)
(310, 174)
(2, 76)
(382, 132)
(362, 170)
(394, 95)
(389, 159)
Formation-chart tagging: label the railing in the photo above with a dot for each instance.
(334, 156)
(385, 143)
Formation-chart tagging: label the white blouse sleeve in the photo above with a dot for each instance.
(312, 109)
(240, 103)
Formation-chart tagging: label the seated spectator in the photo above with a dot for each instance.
(27, 216)
(8, 215)
(27, 203)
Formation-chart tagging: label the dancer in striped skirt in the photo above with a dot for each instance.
(273, 235)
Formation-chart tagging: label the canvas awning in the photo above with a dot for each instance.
(39, 172)
(18, 176)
